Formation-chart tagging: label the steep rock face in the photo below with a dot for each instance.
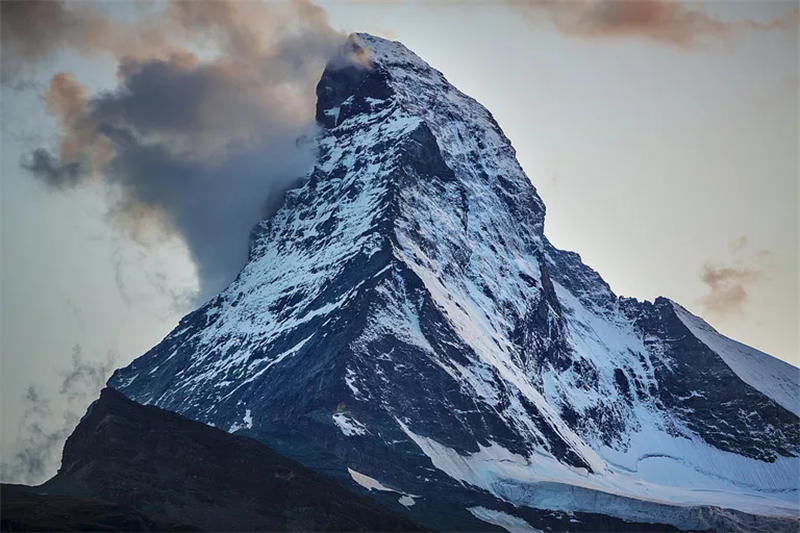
(404, 315)
(706, 394)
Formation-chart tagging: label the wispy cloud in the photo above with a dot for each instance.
(728, 288)
(683, 24)
(738, 243)
(49, 419)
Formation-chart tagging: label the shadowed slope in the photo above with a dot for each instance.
(162, 464)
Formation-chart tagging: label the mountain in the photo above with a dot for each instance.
(129, 467)
(403, 318)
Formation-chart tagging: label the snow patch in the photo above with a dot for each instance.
(349, 425)
(371, 484)
(405, 500)
(509, 522)
(367, 482)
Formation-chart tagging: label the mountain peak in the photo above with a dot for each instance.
(386, 52)
(404, 310)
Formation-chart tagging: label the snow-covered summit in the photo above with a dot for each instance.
(387, 52)
(403, 316)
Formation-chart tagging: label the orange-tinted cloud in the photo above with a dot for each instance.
(728, 288)
(31, 31)
(668, 21)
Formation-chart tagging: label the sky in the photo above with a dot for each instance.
(138, 149)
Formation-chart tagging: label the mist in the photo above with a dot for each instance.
(48, 419)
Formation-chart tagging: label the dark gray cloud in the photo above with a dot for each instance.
(199, 147)
(51, 170)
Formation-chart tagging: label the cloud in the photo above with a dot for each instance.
(52, 171)
(728, 288)
(667, 21)
(204, 132)
(48, 421)
(738, 244)
(788, 22)
(33, 31)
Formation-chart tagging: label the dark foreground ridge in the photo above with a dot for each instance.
(27, 509)
(129, 467)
